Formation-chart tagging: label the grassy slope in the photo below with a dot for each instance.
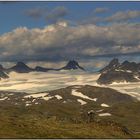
(34, 126)
(54, 119)
(20, 122)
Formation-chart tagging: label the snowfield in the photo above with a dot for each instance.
(43, 81)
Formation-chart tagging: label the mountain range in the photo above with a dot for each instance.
(119, 72)
(21, 67)
(113, 72)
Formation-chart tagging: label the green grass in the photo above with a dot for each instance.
(22, 122)
(55, 119)
(33, 126)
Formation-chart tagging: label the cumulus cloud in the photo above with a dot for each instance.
(123, 16)
(60, 42)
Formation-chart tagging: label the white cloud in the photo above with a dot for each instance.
(60, 41)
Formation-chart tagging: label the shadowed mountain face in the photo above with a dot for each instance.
(72, 65)
(116, 72)
(20, 67)
(112, 65)
(3, 75)
(2, 68)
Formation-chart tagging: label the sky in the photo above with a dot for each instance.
(60, 31)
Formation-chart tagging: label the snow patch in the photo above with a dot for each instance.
(81, 102)
(11, 94)
(104, 105)
(104, 114)
(119, 83)
(58, 97)
(64, 102)
(28, 102)
(47, 98)
(137, 77)
(28, 105)
(129, 71)
(3, 98)
(99, 110)
(79, 94)
(95, 99)
(33, 100)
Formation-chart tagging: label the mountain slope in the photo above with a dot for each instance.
(72, 65)
(120, 72)
(20, 67)
(58, 113)
(3, 75)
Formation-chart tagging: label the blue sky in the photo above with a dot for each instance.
(59, 31)
(12, 15)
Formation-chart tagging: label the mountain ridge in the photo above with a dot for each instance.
(119, 72)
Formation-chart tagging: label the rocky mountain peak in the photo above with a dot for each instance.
(1, 67)
(114, 62)
(21, 67)
(72, 64)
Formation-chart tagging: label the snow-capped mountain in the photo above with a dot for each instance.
(120, 72)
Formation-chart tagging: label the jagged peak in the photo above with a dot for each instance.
(20, 63)
(73, 64)
(114, 61)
